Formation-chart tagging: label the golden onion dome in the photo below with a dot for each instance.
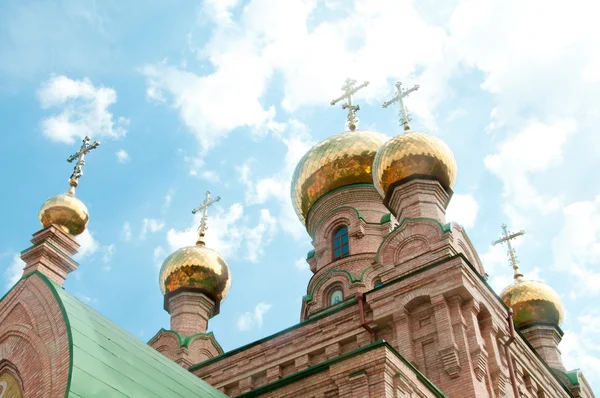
(66, 212)
(413, 154)
(532, 302)
(196, 267)
(337, 161)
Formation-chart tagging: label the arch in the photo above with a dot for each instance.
(411, 247)
(352, 212)
(329, 274)
(333, 294)
(11, 384)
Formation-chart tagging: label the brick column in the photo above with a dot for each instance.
(498, 371)
(404, 337)
(477, 349)
(190, 312)
(51, 254)
(545, 340)
(447, 348)
(419, 198)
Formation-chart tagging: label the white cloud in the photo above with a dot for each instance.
(126, 231)
(168, 199)
(581, 350)
(301, 264)
(535, 148)
(576, 248)
(159, 254)
(83, 110)
(260, 236)
(88, 244)
(14, 271)
(250, 320)
(150, 225)
(107, 255)
(210, 176)
(463, 209)
(259, 190)
(122, 156)
(86, 299)
(229, 231)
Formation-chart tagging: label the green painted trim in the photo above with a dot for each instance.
(346, 303)
(443, 227)
(323, 366)
(63, 311)
(280, 333)
(385, 218)
(357, 373)
(360, 184)
(310, 254)
(573, 376)
(312, 233)
(362, 274)
(184, 341)
(309, 296)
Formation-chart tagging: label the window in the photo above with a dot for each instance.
(341, 247)
(336, 297)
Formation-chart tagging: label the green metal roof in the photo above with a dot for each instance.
(107, 361)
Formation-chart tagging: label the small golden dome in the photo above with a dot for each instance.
(533, 301)
(66, 212)
(343, 159)
(196, 267)
(413, 154)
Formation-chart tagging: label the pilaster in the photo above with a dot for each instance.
(447, 348)
(190, 312)
(419, 198)
(51, 254)
(545, 339)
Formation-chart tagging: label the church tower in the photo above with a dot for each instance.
(194, 281)
(333, 195)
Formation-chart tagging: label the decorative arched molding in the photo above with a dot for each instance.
(27, 352)
(9, 373)
(347, 213)
(329, 290)
(411, 247)
(414, 297)
(334, 274)
(430, 230)
(465, 250)
(333, 281)
(21, 315)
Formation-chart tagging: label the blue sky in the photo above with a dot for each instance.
(226, 96)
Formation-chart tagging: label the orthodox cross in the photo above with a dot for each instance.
(204, 207)
(400, 94)
(349, 90)
(86, 147)
(506, 238)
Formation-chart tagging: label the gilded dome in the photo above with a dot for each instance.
(343, 159)
(196, 267)
(66, 212)
(413, 154)
(533, 301)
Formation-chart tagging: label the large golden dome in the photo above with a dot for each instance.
(343, 159)
(66, 212)
(196, 267)
(413, 154)
(532, 302)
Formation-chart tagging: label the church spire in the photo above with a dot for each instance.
(204, 207)
(506, 238)
(400, 94)
(349, 90)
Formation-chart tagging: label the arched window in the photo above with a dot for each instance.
(341, 247)
(337, 296)
(377, 282)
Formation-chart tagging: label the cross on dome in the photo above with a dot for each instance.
(506, 238)
(400, 94)
(349, 90)
(86, 147)
(204, 207)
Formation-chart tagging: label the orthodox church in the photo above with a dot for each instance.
(398, 304)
